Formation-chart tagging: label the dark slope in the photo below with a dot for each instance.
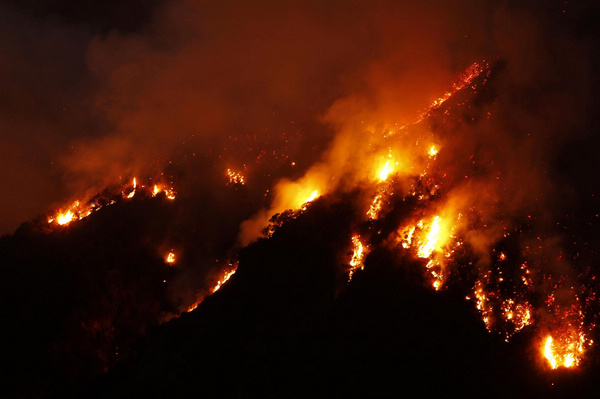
(76, 298)
(287, 325)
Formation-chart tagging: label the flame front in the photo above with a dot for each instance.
(432, 240)
(223, 280)
(565, 351)
(81, 209)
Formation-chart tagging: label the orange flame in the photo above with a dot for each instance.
(223, 280)
(170, 259)
(564, 351)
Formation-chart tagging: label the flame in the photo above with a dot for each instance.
(358, 256)
(518, 314)
(564, 351)
(433, 236)
(65, 218)
(83, 208)
(385, 171)
(483, 305)
(132, 193)
(170, 194)
(314, 195)
(194, 306)
(433, 151)
(223, 280)
(170, 258)
(375, 207)
(465, 79)
(432, 240)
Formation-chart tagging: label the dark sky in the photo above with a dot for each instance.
(95, 94)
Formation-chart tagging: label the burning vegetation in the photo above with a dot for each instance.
(400, 156)
(401, 162)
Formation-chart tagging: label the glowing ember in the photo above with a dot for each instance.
(235, 177)
(483, 305)
(358, 256)
(170, 194)
(518, 314)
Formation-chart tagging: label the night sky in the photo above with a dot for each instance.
(296, 96)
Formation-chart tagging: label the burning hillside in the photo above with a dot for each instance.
(260, 196)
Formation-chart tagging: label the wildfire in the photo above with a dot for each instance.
(385, 171)
(311, 198)
(82, 209)
(169, 192)
(170, 259)
(132, 193)
(564, 351)
(375, 207)
(518, 314)
(235, 177)
(483, 305)
(65, 218)
(465, 79)
(194, 306)
(432, 241)
(358, 256)
(433, 151)
(224, 279)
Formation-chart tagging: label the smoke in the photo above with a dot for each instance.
(200, 77)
